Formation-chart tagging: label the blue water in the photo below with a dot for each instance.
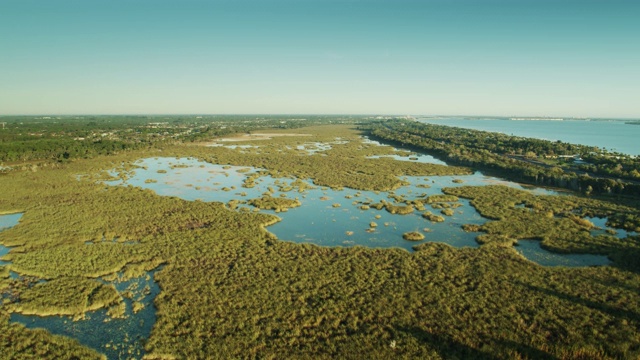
(330, 217)
(317, 220)
(326, 217)
(602, 228)
(613, 135)
(419, 158)
(532, 251)
(7, 221)
(116, 338)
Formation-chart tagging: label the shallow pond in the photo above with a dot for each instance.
(309, 148)
(335, 218)
(330, 217)
(603, 229)
(7, 221)
(117, 338)
(411, 157)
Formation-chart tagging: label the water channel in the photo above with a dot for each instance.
(117, 338)
(7, 221)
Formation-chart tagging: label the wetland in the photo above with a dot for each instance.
(293, 245)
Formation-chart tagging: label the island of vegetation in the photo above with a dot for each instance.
(413, 236)
(278, 204)
(231, 289)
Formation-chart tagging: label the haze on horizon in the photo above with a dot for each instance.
(486, 57)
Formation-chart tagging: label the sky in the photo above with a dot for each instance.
(405, 57)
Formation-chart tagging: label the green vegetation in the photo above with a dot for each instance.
(17, 342)
(440, 198)
(65, 296)
(614, 165)
(232, 290)
(398, 209)
(432, 217)
(519, 159)
(271, 203)
(471, 227)
(557, 221)
(447, 212)
(413, 236)
(61, 138)
(344, 165)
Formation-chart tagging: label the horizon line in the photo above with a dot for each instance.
(324, 114)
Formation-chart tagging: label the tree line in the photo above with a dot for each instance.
(499, 154)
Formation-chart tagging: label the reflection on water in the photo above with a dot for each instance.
(531, 250)
(191, 179)
(335, 218)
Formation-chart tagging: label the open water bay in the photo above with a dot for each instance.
(613, 135)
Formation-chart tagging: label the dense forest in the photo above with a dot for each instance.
(517, 158)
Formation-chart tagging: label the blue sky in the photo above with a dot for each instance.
(493, 57)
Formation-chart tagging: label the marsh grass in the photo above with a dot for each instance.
(18, 342)
(413, 236)
(557, 221)
(272, 203)
(65, 296)
(232, 290)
